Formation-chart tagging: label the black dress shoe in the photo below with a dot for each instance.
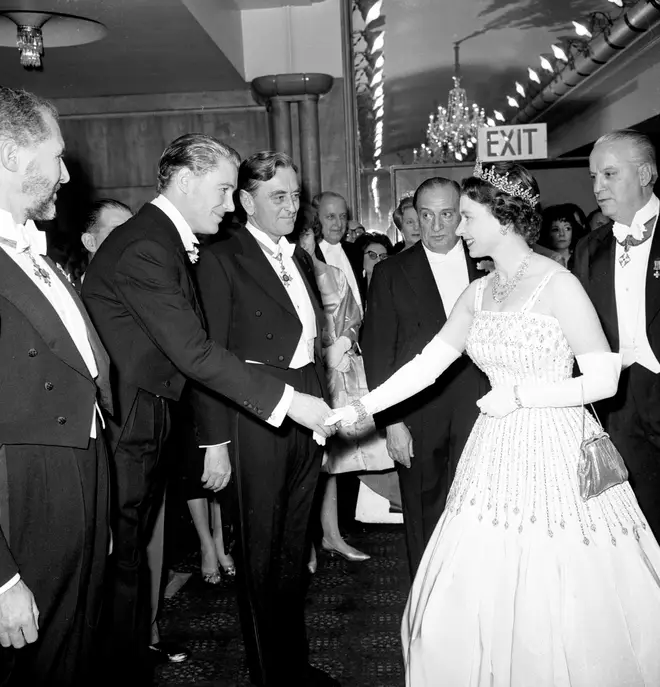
(315, 677)
(168, 652)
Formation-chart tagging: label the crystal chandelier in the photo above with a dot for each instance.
(451, 133)
(30, 43)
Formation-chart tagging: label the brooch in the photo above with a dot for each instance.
(656, 269)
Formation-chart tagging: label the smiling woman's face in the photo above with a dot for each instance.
(478, 228)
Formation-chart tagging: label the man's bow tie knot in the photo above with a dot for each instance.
(286, 248)
(634, 235)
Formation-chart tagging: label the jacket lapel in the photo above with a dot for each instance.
(601, 279)
(307, 272)
(17, 288)
(417, 271)
(653, 279)
(100, 355)
(256, 264)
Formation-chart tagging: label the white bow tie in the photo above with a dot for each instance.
(29, 237)
(285, 248)
(621, 231)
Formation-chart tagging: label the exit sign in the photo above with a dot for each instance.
(515, 142)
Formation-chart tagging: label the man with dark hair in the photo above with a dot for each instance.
(103, 216)
(411, 297)
(53, 463)
(260, 300)
(140, 293)
(619, 267)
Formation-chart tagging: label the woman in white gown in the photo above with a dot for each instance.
(523, 583)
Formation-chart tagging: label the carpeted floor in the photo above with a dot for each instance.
(353, 617)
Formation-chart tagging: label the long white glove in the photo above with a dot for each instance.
(407, 381)
(599, 379)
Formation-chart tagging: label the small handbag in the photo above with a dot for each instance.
(601, 465)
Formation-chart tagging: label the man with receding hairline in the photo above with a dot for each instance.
(619, 267)
(260, 300)
(410, 298)
(53, 464)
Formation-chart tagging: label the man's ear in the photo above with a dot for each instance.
(89, 242)
(247, 201)
(645, 174)
(182, 179)
(9, 154)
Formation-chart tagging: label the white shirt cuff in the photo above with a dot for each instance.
(224, 443)
(282, 408)
(8, 585)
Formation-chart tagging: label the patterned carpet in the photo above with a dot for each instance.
(353, 617)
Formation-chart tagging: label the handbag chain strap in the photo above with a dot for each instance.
(584, 412)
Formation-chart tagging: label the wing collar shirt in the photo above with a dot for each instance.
(20, 242)
(450, 273)
(296, 290)
(190, 242)
(630, 289)
(335, 255)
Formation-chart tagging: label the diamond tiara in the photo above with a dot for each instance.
(501, 182)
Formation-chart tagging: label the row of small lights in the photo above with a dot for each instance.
(582, 31)
(376, 83)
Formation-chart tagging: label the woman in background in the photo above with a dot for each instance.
(354, 449)
(375, 247)
(406, 221)
(560, 232)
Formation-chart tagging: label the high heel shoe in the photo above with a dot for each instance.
(313, 561)
(356, 557)
(229, 570)
(212, 578)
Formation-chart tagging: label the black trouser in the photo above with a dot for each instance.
(632, 418)
(57, 528)
(439, 431)
(139, 476)
(275, 475)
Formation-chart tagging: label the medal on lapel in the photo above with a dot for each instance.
(656, 269)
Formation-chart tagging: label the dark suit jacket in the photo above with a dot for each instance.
(404, 312)
(46, 392)
(140, 294)
(356, 258)
(249, 312)
(594, 267)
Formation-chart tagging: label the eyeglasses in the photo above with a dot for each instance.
(375, 256)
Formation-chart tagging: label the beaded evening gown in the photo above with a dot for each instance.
(523, 584)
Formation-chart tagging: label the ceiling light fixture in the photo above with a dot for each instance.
(451, 128)
(581, 30)
(32, 32)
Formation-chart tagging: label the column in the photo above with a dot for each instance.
(310, 145)
(279, 111)
(278, 91)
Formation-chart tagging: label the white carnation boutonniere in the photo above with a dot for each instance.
(193, 254)
(486, 265)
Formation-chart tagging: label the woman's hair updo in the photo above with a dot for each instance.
(508, 209)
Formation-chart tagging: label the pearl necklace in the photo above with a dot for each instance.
(501, 291)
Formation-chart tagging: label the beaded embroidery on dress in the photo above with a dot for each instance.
(523, 584)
